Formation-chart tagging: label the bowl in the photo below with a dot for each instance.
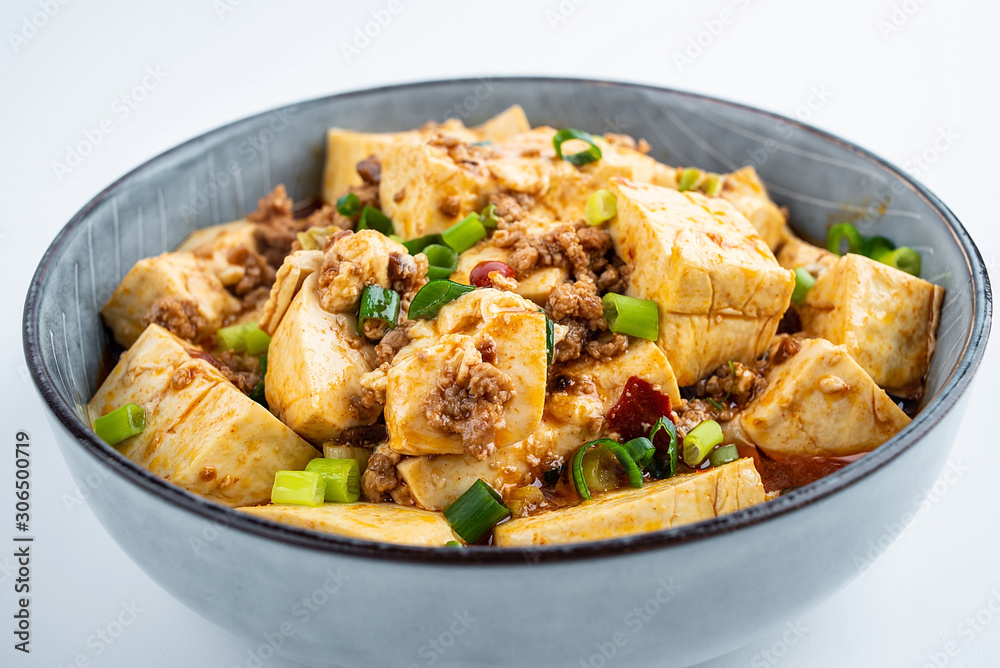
(672, 597)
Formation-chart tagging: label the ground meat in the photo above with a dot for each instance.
(365, 435)
(274, 207)
(408, 274)
(450, 206)
(390, 344)
(257, 272)
(571, 346)
(511, 207)
(367, 405)
(723, 394)
(276, 228)
(399, 195)
(241, 371)
(626, 141)
(614, 277)
(584, 251)
(604, 350)
(469, 400)
(786, 347)
(182, 378)
(578, 300)
(254, 298)
(327, 216)
(380, 475)
(370, 170)
(180, 316)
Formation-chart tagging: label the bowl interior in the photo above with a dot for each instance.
(219, 177)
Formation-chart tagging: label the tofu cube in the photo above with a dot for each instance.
(797, 253)
(658, 505)
(213, 245)
(178, 275)
(201, 432)
(517, 330)
(315, 365)
(719, 289)
(382, 522)
(744, 190)
(886, 318)
(821, 403)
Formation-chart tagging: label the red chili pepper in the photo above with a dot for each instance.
(480, 274)
(638, 409)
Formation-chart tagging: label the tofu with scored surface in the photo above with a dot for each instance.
(345, 148)
(202, 433)
(658, 505)
(818, 403)
(572, 416)
(384, 522)
(720, 291)
(885, 318)
(181, 276)
(474, 379)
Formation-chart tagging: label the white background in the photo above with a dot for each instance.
(890, 75)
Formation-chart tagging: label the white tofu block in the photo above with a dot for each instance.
(820, 403)
(213, 245)
(382, 522)
(719, 289)
(885, 318)
(797, 253)
(658, 505)
(201, 432)
(178, 275)
(744, 190)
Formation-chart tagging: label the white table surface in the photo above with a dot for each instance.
(890, 75)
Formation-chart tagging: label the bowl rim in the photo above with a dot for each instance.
(957, 383)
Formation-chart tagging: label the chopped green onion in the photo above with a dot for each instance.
(435, 294)
(257, 394)
(299, 488)
(904, 258)
(689, 179)
(633, 472)
(877, 247)
(602, 206)
(665, 466)
(257, 341)
(348, 205)
(712, 186)
(453, 543)
(489, 216)
(600, 470)
(380, 304)
(443, 261)
(585, 156)
(641, 450)
(356, 452)
(628, 315)
(845, 231)
(234, 337)
(723, 455)
(342, 478)
(263, 365)
(373, 219)
(414, 246)
(550, 340)
(700, 441)
(803, 284)
(121, 423)
(464, 234)
(474, 513)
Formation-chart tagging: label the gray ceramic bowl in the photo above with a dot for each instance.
(645, 599)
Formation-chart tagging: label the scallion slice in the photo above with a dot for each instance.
(712, 186)
(803, 284)
(666, 466)
(585, 156)
(234, 337)
(414, 246)
(257, 341)
(632, 470)
(878, 247)
(489, 216)
(348, 205)
(689, 179)
(373, 219)
(121, 423)
(904, 258)
(453, 543)
(600, 470)
(378, 303)
(602, 206)
(628, 315)
(443, 261)
(356, 452)
(435, 294)
(342, 478)
(700, 441)
(641, 450)
(299, 488)
(550, 340)
(474, 513)
(464, 234)
(844, 232)
(723, 454)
